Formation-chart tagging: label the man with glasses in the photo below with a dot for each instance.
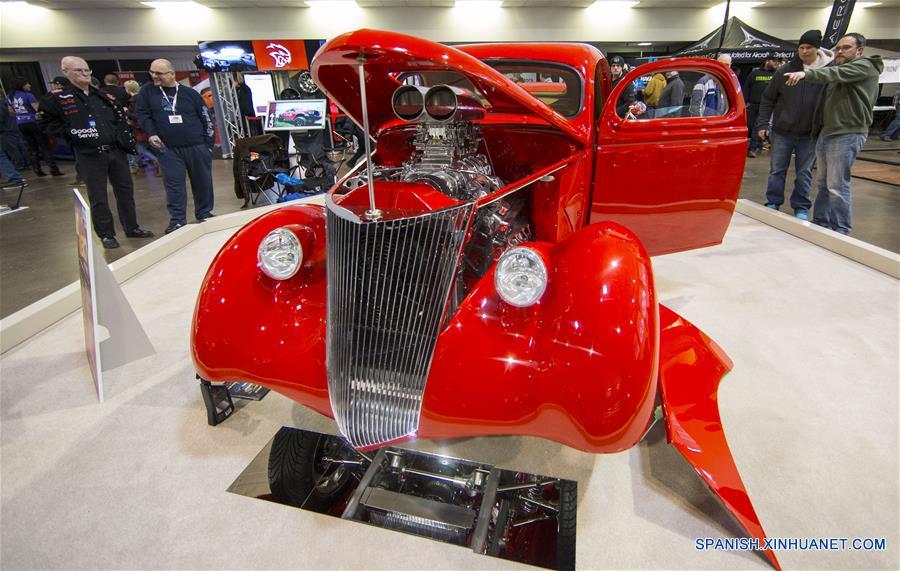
(842, 122)
(97, 129)
(177, 123)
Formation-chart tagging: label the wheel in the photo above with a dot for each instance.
(300, 122)
(566, 519)
(301, 470)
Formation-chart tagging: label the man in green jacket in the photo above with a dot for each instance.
(842, 121)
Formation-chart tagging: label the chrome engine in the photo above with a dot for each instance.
(446, 157)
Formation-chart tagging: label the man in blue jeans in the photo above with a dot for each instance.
(177, 124)
(791, 131)
(842, 122)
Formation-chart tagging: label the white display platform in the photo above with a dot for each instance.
(810, 410)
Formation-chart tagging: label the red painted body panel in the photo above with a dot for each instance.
(387, 53)
(556, 368)
(674, 182)
(396, 199)
(691, 366)
(248, 326)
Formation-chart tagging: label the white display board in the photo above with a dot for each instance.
(126, 341)
(891, 73)
(261, 88)
(86, 254)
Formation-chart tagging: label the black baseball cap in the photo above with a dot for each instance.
(616, 60)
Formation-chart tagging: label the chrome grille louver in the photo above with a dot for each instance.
(388, 284)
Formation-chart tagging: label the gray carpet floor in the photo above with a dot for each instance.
(138, 481)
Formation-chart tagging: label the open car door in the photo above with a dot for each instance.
(672, 172)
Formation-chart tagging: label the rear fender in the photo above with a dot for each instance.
(250, 327)
(578, 367)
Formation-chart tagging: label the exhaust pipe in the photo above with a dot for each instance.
(408, 102)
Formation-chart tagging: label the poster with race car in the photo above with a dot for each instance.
(296, 115)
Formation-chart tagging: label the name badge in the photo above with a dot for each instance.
(175, 119)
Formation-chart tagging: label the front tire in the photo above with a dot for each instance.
(566, 518)
(299, 473)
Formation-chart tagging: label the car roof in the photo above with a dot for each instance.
(577, 55)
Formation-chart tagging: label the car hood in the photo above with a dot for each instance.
(386, 53)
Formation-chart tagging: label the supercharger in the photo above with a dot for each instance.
(446, 157)
(446, 142)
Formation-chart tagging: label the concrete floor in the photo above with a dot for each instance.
(139, 481)
(37, 245)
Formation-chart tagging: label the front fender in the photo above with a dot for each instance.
(249, 327)
(579, 367)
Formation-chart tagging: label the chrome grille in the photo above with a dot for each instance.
(388, 284)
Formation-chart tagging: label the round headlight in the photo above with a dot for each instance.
(280, 254)
(521, 277)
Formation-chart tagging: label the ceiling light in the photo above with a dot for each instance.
(335, 5)
(478, 4)
(19, 4)
(612, 4)
(645, 43)
(867, 4)
(22, 8)
(175, 5)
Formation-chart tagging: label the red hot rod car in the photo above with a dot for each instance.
(488, 270)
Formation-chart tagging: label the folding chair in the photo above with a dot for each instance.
(21, 187)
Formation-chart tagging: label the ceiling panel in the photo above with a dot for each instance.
(647, 4)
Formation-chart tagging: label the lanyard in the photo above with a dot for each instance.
(174, 99)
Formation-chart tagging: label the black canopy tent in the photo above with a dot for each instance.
(744, 43)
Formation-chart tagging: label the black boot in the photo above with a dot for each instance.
(54, 170)
(39, 172)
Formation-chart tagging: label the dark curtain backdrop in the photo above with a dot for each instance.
(30, 70)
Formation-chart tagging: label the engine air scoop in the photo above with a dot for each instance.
(396, 199)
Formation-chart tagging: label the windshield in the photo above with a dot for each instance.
(556, 85)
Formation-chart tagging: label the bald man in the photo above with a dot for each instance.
(177, 123)
(97, 129)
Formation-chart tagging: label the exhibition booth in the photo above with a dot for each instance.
(477, 344)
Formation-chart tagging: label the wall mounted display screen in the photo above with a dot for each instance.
(228, 56)
(295, 115)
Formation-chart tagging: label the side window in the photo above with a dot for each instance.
(677, 93)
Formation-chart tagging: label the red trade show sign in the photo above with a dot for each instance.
(280, 55)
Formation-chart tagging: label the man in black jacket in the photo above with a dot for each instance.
(177, 123)
(671, 102)
(791, 132)
(617, 72)
(97, 129)
(111, 86)
(754, 86)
